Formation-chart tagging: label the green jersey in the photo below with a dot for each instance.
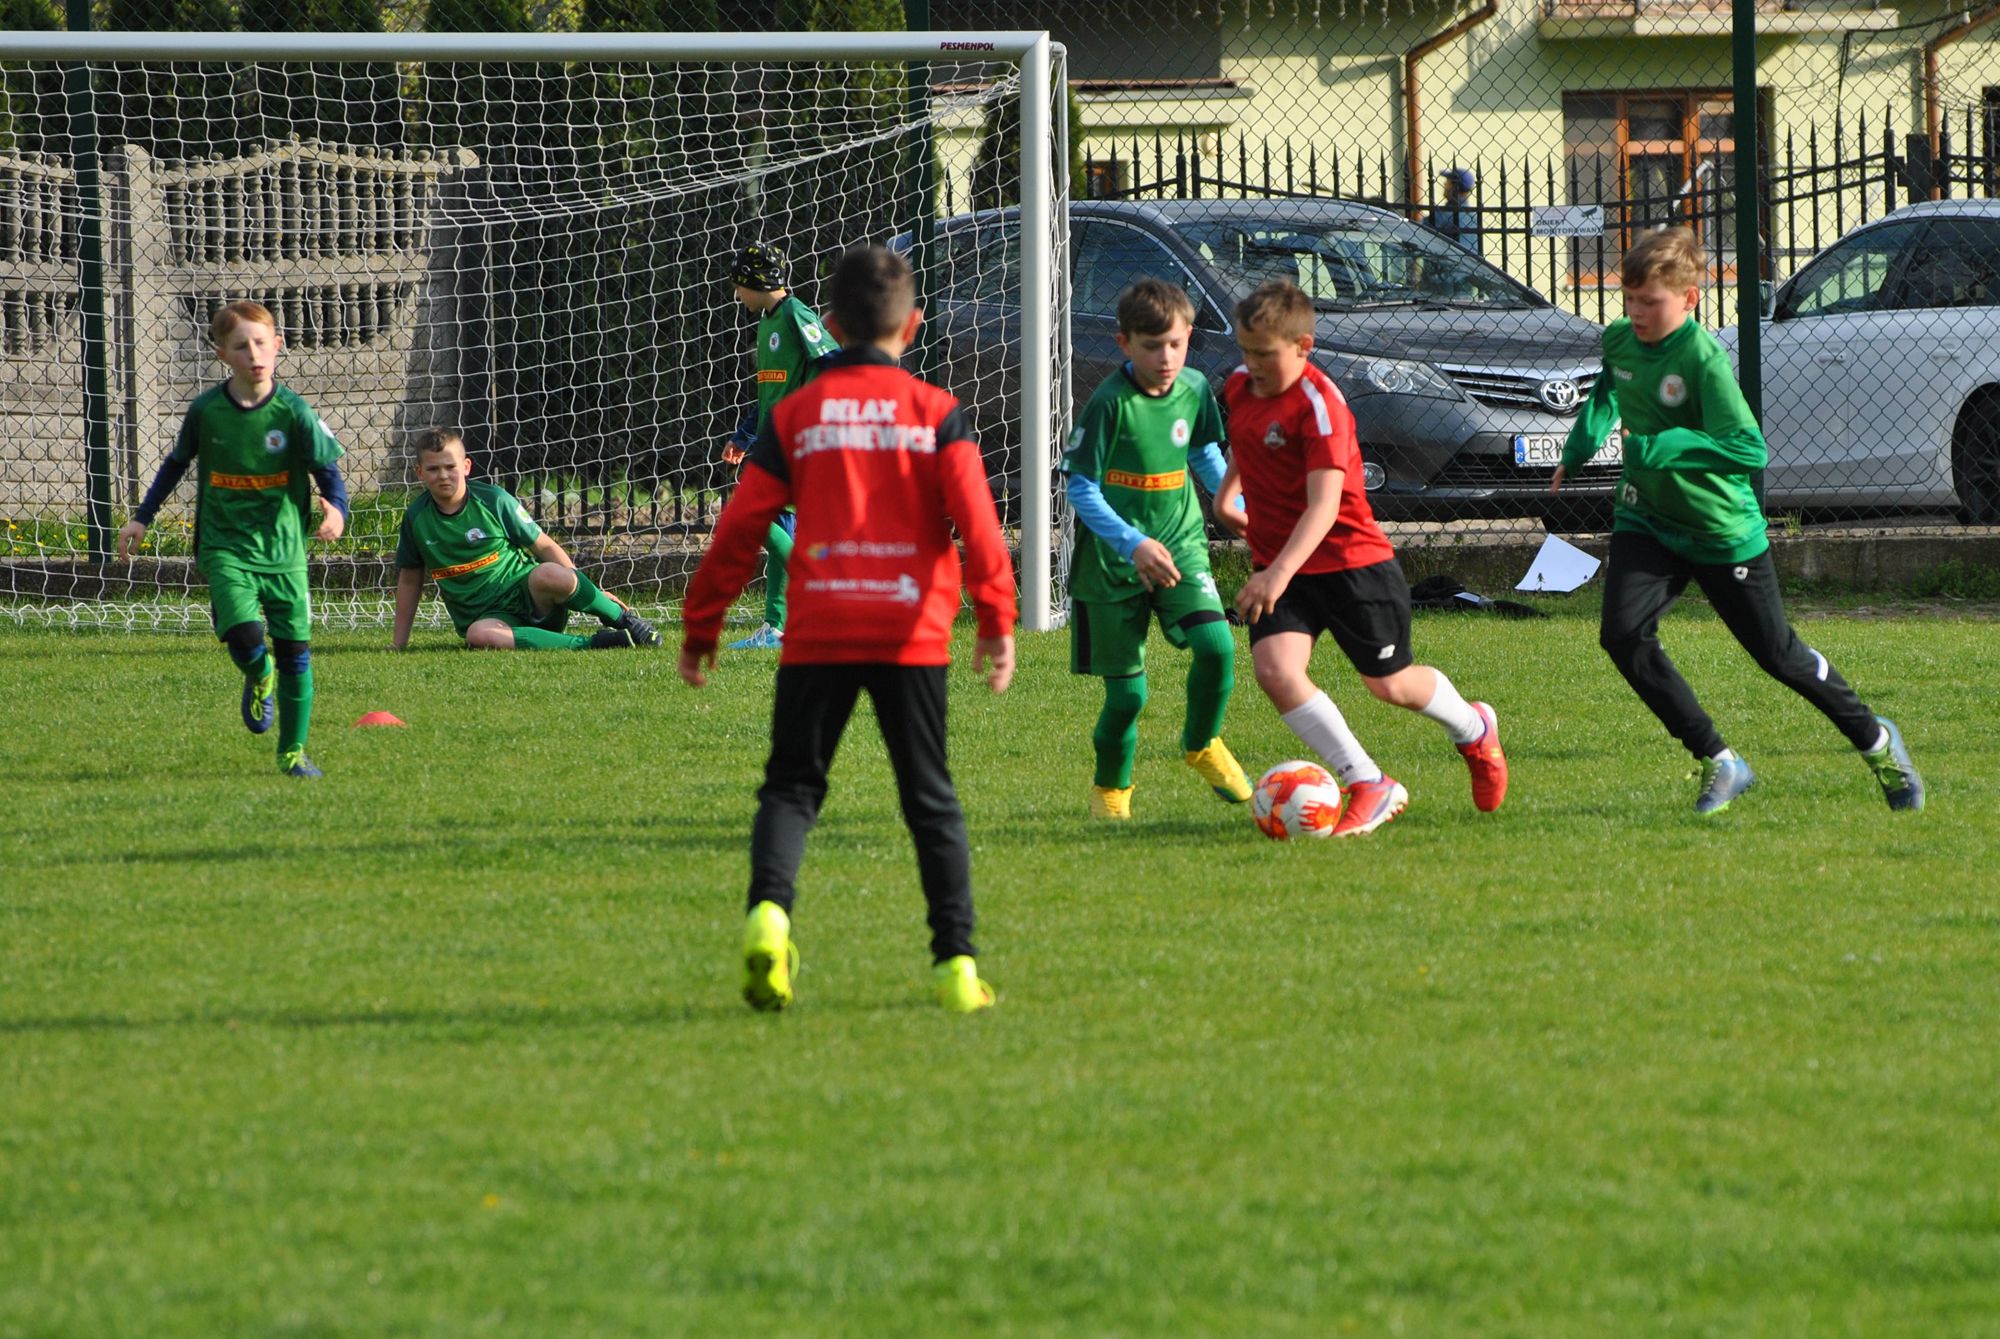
(1135, 447)
(1691, 444)
(790, 342)
(477, 554)
(253, 475)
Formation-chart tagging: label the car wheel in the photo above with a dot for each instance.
(1975, 459)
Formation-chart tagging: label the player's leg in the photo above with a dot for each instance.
(498, 634)
(551, 588)
(1108, 640)
(238, 618)
(777, 553)
(1747, 599)
(809, 712)
(1642, 580)
(1191, 617)
(288, 606)
(910, 707)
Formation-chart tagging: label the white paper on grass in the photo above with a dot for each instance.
(1560, 566)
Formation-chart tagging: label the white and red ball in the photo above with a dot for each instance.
(1296, 799)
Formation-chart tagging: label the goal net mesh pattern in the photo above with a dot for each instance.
(534, 253)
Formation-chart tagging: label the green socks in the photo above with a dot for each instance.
(588, 599)
(1211, 679)
(777, 552)
(295, 704)
(535, 639)
(1116, 737)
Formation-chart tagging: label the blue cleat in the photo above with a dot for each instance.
(1901, 786)
(1722, 780)
(260, 699)
(297, 764)
(766, 638)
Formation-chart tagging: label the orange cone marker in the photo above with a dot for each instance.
(377, 718)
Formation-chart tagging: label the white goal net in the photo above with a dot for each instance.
(526, 238)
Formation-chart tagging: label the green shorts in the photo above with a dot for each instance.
(238, 594)
(514, 606)
(1109, 639)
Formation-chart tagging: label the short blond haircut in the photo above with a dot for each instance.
(1670, 255)
(1151, 306)
(1278, 307)
(232, 314)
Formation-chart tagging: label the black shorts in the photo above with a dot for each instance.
(1367, 609)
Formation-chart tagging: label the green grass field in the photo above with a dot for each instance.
(450, 1043)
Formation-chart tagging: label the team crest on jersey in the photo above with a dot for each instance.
(1180, 432)
(475, 534)
(811, 332)
(774, 341)
(274, 440)
(522, 512)
(1274, 436)
(1673, 389)
(1076, 439)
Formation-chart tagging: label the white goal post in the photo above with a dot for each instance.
(383, 245)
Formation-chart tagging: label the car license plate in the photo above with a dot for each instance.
(1543, 450)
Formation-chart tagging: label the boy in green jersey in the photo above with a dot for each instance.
(1686, 510)
(481, 547)
(1142, 550)
(255, 444)
(792, 345)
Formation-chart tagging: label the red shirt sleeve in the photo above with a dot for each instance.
(989, 572)
(732, 555)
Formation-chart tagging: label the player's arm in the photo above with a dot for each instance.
(764, 490)
(409, 590)
(989, 572)
(1594, 423)
(333, 498)
(1260, 593)
(1229, 506)
(1728, 440)
(547, 550)
(172, 470)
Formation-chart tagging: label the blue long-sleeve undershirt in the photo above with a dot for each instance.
(1087, 500)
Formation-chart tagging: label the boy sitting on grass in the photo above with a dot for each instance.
(480, 545)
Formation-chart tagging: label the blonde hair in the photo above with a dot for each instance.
(1151, 306)
(232, 314)
(1277, 307)
(1670, 255)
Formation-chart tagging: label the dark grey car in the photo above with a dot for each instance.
(1463, 382)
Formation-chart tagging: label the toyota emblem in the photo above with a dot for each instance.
(1560, 394)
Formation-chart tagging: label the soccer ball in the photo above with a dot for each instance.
(1296, 799)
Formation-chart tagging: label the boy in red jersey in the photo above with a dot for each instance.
(1323, 565)
(882, 467)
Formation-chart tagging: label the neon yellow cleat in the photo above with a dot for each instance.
(959, 988)
(770, 958)
(1111, 802)
(1219, 768)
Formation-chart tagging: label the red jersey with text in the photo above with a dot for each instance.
(881, 468)
(1274, 441)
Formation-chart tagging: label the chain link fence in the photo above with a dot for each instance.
(1454, 184)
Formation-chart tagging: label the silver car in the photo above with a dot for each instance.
(1463, 382)
(1881, 367)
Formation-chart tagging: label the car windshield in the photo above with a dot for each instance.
(1355, 263)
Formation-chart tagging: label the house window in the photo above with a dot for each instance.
(1651, 158)
(1105, 178)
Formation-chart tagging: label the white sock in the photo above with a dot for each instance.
(1324, 730)
(1881, 742)
(1453, 712)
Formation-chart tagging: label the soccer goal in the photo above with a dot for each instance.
(522, 236)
